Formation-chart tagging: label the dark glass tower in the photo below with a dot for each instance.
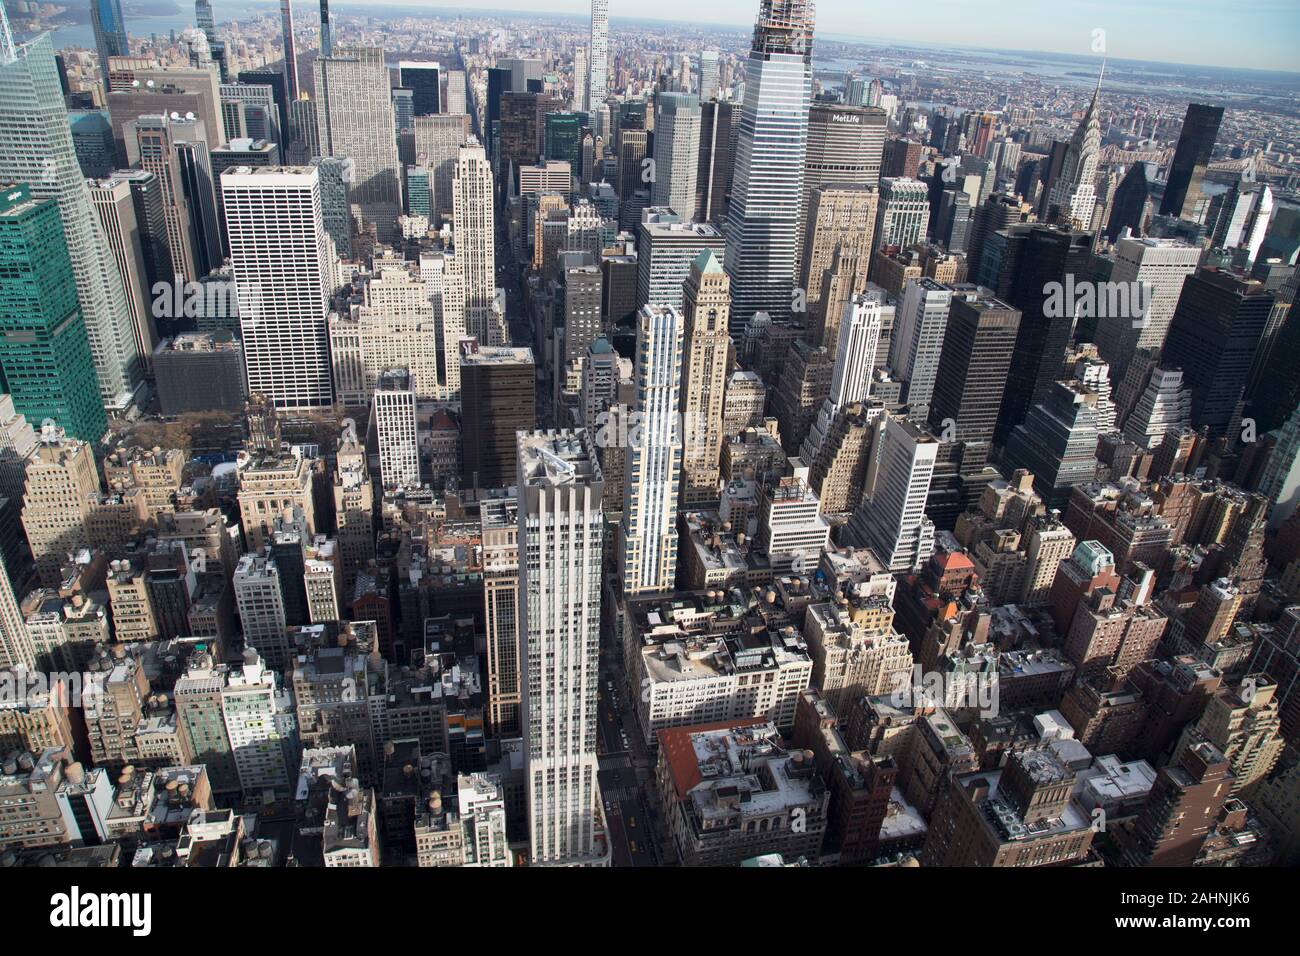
(423, 80)
(498, 84)
(1195, 144)
(110, 32)
(563, 138)
(1131, 199)
(977, 346)
(1034, 257)
(1215, 331)
(713, 175)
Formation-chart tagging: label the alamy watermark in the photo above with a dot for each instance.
(1097, 300)
(947, 689)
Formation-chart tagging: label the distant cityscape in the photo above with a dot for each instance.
(480, 438)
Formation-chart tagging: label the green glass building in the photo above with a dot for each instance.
(45, 361)
(419, 191)
(564, 137)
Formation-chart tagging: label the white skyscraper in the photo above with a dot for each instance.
(677, 152)
(254, 710)
(707, 79)
(16, 646)
(904, 211)
(581, 76)
(598, 55)
(1150, 272)
(399, 448)
(354, 114)
(855, 360)
(456, 94)
(283, 266)
(475, 245)
(763, 219)
(1165, 405)
(36, 149)
(918, 341)
(892, 520)
(648, 561)
(1074, 194)
(561, 531)
(445, 288)
(115, 208)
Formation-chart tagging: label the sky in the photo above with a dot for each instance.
(1254, 34)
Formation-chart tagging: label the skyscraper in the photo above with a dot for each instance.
(836, 253)
(561, 531)
(1074, 193)
(36, 148)
(115, 205)
(677, 149)
(326, 30)
(917, 341)
(399, 448)
(110, 33)
(290, 55)
(1182, 807)
(499, 520)
(475, 242)
(648, 560)
(978, 344)
(892, 520)
(1216, 328)
(16, 649)
(62, 483)
(424, 81)
(438, 140)
(1131, 207)
(1036, 260)
(456, 93)
(1152, 270)
(1057, 442)
(666, 247)
(281, 257)
(706, 306)
(713, 177)
(498, 392)
(706, 81)
(855, 359)
(44, 353)
(598, 56)
(354, 113)
(762, 225)
(155, 148)
(845, 144)
(904, 212)
(581, 76)
(1191, 159)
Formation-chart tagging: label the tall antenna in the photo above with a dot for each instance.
(8, 52)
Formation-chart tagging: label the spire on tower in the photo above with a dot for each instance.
(8, 53)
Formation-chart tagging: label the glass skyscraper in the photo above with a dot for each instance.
(1191, 158)
(763, 221)
(36, 148)
(110, 32)
(45, 358)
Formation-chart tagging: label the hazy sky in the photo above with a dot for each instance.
(1261, 34)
